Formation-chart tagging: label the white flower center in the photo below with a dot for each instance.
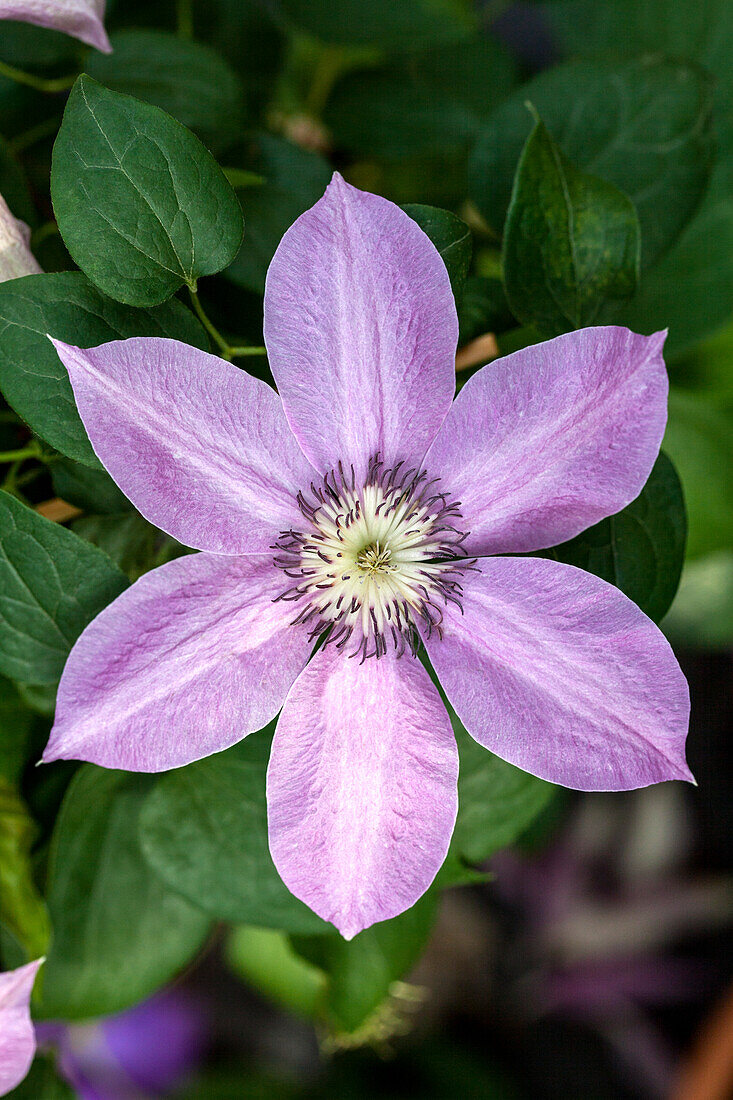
(375, 560)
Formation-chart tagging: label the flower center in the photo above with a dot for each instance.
(374, 560)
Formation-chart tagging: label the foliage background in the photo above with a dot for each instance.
(142, 878)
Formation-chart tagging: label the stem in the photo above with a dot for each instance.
(235, 352)
(57, 84)
(36, 133)
(327, 71)
(39, 235)
(20, 455)
(228, 351)
(184, 10)
(210, 327)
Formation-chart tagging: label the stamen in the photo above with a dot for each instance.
(373, 561)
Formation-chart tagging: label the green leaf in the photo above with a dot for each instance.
(129, 540)
(88, 488)
(419, 23)
(571, 243)
(22, 910)
(496, 801)
(43, 1083)
(362, 971)
(484, 308)
(265, 958)
(204, 831)
(14, 188)
(691, 289)
(642, 548)
(699, 440)
(451, 237)
(190, 81)
(294, 179)
(118, 933)
(141, 204)
(52, 584)
(16, 723)
(644, 126)
(66, 306)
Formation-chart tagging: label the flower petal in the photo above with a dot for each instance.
(201, 448)
(361, 331)
(547, 441)
(361, 788)
(186, 662)
(16, 258)
(559, 673)
(81, 19)
(17, 1038)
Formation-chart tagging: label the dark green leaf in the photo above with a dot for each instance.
(66, 306)
(451, 237)
(185, 78)
(642, 548)
(294, 180)
(484, 308)
(699, 440)
(13, 186)
(571, 242)
(642, 125)
(16, 723)
(417, 23)
(43, 1083)
(141, 204)
(129, 540)
(496, 801)
(119, 933)
(88, 488)
(691, 289)
(52, 584)
(204, 831)
(362, 971)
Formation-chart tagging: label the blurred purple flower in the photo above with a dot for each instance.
(144, 1052)
(382, 499)
(81, 19)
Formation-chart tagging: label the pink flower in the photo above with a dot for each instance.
(81, 19)
(366, 503)
(16, 258)
(17, 1039)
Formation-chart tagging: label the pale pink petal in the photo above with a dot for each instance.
(186, 662)
(543, 443)
(361, 787)
(361, 331)
(559, 673)
(200, 447)
(81, 19)
(16, 258)
(17, 1038)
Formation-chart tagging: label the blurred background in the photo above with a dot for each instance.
(595, 959)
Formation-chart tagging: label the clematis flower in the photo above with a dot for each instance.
(81, 19)
(16, 258)
(365, 509)
(17, 1038)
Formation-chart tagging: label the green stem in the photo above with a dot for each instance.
(38, 236)
(235, 352)
(36, 133)
(327, 72)
(19, 455)
(228, 351)
(57, 84)
(210, 327)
